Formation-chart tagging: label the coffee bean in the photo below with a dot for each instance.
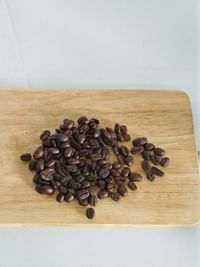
(124, 151)
(103, 194)
(136, 150)
(115, 173)
(140, 141)
(110, 187)
(53, 150)
(39, 152)
(36, 178)
(159, 151)
(128, 160)
(96, 157)
(117, 128)
(134, 177)
(39, 166)
(120, 137)
(94, 143)
(44, 135)
(90, 213)
(120, 180)
(68, 152)
(68, 123)
(146, 155)
(116, 165)
(92, 200)
(72, 161)
(58, 177)
(164, 162)
(82, 194)
(71, 168)
(104, 172)
(120, 159)
(157, 171)
(125, 172)
(32, 164)
(60, 197)
(132, 186)
(115, 196)
(47, 174)
(83, 120)
(155, 159)
(116, 150)
(85, 184)
(96, 133)
(126, 137)
(123, 129)
(68, 133)
(69, 197)
(149, 146)
(122, 190)
(150, 176)
(81, 138)
(26, 157)
(146, 166)
(83, 202)
(44, 189)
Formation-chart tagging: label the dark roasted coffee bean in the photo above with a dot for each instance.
(66, 180)
(104, 172)
(114, 142)
(71, 168)
(65, 145)
(136, 150)
(120, 180)
(39, 166)
(149, 146)
(83, 202)
(116, 165)
(39, 152)
(101, 184)
(44, 135)
(58, 177)
(157, 171)
(101, 162)
(82, 194)
(57, 167)
(53, 150)
(36, 178)
(105, 153)
(116, 150)
(128, 160)
(69, 197)
(124, 151)
(110, 187)
(68, 152)
(96, 133)
(103, 194)
(92, 200)
(90, 213)
(134, 177)
(164, 162)
(85, 184)
(159, 151)
(47, 174)
(81, 138)
(123, 129)
(26, 157)
(50, 163)
(150, 176)
(115, 196)
(132, 186)
(44, 189)
(60, 197)
(74, 185)
(140, 141)
(68, 133)
(146, 155)
(109, 179)
(146, 166)
(61, 138)
(120, 138)
(47, 142)
(94, 143)
(126, 137)
(114, 172)
(68, 123)
(155, 159)
(125, 172)
(122, 190)
(32, 164)
(96, 157)
(120, 159)
(117, 128)
(105, 134)
(62, 189)
(72, 161)
(83, 120)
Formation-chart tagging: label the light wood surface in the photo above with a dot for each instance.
(163, 116)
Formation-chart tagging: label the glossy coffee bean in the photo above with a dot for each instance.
(26, 157)
(32, 164)
(125, 171)
(44, 189)
(150, 176)
(140, 141)
(60, 197)
(69, 197)
(128, 160)
(103, 194)
(39, 152)
(155, 159)
(159, 151)
(122, 190)
(45, 135)
(136, 150)
(92, 200)
(135, 177)
(164, 162)
(116, 165)
(124, 151)
(157, 171)
(126, 137)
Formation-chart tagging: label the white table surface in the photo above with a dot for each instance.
(101, 44)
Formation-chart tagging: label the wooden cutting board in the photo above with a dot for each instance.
(163, 116)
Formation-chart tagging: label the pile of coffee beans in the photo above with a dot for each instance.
(74, 162)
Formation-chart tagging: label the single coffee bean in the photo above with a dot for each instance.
(69, 197)
(116, 150)
(146, 155)
(110, 187)
(134, 177)
(155, 159)
(68, 152)
(85, 184)
(114, 172)
(36, 178)
(68, 123)
(120, 159)
(61, 138)
(120, 180)
(117, 128)
(122, 190)
(164, 162)
(81, 138)
(58, 177)
(32, 164)
(136, 150)
(83, 202)
(124, 151)
(60, 197)
(53, 150)
(125, 171)
(110, 130)
(120, 138)
(45, 135)
(92, 200)
(47, 174)
(146, 166)
(103, 194)
(44, 189)
(132, 186)
(90, 213)
(159, 151)
(157, 171)
(150, 176)
(65, 145)
(26, 157)
(101, 184)
(104, 172)
(140, 141)
(95, 144)
(62, 189)
(39, 166)
(116, 165)
(72, 161)
(126, 137)
(96, 157)
(149, 146)
(128, 160)
(106, 134)
(50, 163)
(83, 120)
(123, 129)
(80, 178)
(74, 185)
(96, 133)
(115, 196)
(82, 194)
(39, 152)
(68, 132)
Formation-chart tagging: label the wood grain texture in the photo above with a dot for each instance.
(163, 116)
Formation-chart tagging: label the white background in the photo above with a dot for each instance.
(138, 44)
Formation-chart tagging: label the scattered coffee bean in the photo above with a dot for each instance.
(164, 162)
(155, 159)
(132, 186)
(32, 164)
(157, 171)
(150, 176)
(135, 177)
(126, 137)
(115, 196)
(146, 166)
(136, 150)
(146, 155)
(140, 141)
(125, 172)
(26, 157)
(44, 189)
(92, 200)
(159, 151)
(128, 160)
(149, 146)
(103, 194)
(116, 165)
(124, 151)
(60, 197)
(69, 197)
(45, 135)
(122, 190)
(39, 152)
(90, 213)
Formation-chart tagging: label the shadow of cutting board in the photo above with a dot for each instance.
(163, 116)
